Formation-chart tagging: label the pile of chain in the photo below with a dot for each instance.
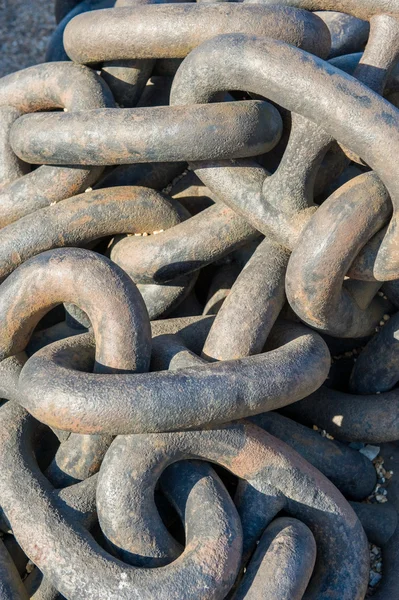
(199, 265)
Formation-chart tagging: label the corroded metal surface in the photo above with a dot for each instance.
(348, 34)
(235, 447)
(356, 110)
(198, 286)
(11, 586)
(239, 129)
(146, 402)
(44, 87)
(171, 31)
(282, 563)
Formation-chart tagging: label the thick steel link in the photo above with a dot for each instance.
(232, 59)
(127, 76)
(239, 129)
(133, 527)
(120, 329)
(79, 456)
(104, 574)
(184, 248)
(380, 56)
(173, 30)
(169, 352)
(44, 87)
(362, 9)
(370, 418)
(96, 214)
(351, 472)
(126, 79)
(230, 446)
(282, 564)
(245, 319)
(376, 368)
(116, 309)
(316, 502)
(211, 394)
(11, 586)
(315, 276)
(11, 167)
(81, 219)
(348, 34)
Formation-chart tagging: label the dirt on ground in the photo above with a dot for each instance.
(25, 28)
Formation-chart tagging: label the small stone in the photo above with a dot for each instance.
(381, 499)
(370, 451)
(29, 566)
(374, 578)
(386, 317)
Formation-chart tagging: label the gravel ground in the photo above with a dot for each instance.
(25, 28)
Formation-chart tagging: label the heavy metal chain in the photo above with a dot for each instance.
(199, 274)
